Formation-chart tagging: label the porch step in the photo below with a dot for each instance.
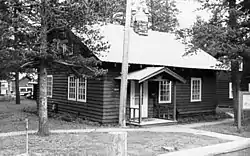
(153, 122)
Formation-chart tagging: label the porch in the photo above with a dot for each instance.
(151, 122)
(152, 96)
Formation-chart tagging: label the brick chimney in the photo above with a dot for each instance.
(140, 22)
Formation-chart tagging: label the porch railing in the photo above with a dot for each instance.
(133, 114)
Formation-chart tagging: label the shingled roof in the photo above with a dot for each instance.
(158, 48)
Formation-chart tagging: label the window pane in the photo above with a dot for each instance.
(81, 88)
(164, 91)
(195, 85)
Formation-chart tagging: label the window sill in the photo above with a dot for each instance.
(195, 101)
(164, 102)
(71, 99)
(82, 100)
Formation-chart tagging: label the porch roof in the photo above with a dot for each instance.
(149, 72)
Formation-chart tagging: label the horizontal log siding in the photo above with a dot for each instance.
(208, 97)
(111, 98)
(153, 87)
(222, 90)
(183, 91)
(91, 110)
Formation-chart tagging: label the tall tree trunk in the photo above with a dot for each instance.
(234, 63)
(43, 129)
(37, 93)
(152, 14)
(16, 72)
(235, 78)
(17, 87)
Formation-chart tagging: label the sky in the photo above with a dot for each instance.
(187, 9)
(188, 14)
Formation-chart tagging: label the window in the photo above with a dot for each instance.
(164, 91)
(230, 90)
(77, 88)
(49, 85)
(195, 89)
(81, 91)
(72, 49)
(22, 89)
(64, 48)
(71, 88)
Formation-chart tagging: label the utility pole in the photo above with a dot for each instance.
(124, 74)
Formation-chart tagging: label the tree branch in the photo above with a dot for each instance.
(27, 63)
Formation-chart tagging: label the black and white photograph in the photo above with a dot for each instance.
(124, 77)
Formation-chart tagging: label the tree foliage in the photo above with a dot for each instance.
(163, 15)
(225, 36)
(43, 25)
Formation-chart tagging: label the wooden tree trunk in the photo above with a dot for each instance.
(235, 78)
(17, 88)
(37, 94)
(152, 15)
(232, 22)
(43, 129)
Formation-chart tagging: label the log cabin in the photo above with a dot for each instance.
(163, 83)
(224, 86)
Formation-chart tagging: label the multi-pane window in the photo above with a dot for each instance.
(71, 88)
(49, 85)
(77, 88)
(230, 90)
(195, 89)
(164, 91)
(81, 92)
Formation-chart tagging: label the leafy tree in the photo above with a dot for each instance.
(14, 40)
(163, 15)
(45, 18)
(225, 36)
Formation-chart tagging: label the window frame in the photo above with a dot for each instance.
(85, 90)
(69, 98)
(170, 92)
(64, 48)
(248, 87)
(50, 76)
(230, 90)
(200, 88)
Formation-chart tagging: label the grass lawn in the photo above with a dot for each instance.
(228, 128)
(139, 143)
(12, 118)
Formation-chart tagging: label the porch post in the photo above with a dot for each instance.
(174, 110)
(140, 102)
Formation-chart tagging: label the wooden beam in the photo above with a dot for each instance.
(124, 79)
(174, 113)
(140, 102)
(119, 144)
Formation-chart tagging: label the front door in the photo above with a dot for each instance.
(135, 91)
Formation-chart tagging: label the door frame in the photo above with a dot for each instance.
(144, 106)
